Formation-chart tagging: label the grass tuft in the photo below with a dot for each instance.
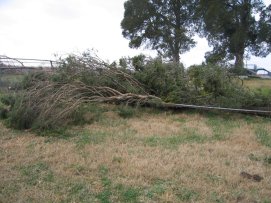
(127, 111)
(87, 137)
(187, 195)
(79, 192)
(105, 195)
(173, 141)
(216, 198)
(37, 173)
(130, 194)
(264, 136)
(157, 189)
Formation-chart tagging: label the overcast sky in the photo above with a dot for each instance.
(42, 28)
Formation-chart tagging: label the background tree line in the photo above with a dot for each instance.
(233, 28)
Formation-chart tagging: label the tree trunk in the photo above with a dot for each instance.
(239, 63)
(177, 30)
(176, 57)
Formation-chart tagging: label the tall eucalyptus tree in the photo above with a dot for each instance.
(162, 25)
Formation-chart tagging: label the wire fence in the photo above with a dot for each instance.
(24, 64)
(12, 70)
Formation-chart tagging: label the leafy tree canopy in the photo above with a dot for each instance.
(264, 39)
(232, 28)
(162, 25)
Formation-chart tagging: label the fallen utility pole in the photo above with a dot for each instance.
(244, 111)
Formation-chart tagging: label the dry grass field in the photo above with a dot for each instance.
(149, 157)
(258, 83)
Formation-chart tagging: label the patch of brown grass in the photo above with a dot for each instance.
(165, 125)
(152, 125)
(211, 169)
(257, 83)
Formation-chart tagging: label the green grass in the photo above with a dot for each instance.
(7, 80)
(86, 138)
(127, 111)
(265, 91)
(187, 194)
(267, 200)
(88, 113)
(267, 160)
(113, 122)
(213, 178)
(53, 134)
(175, 140)
(120, 192)
(105, 194)
(130, 194)
(158, 188)
(189, 136)
(254, 157)
(264, 136)
(79, 192)
(216, 198)
(257, 83)
(222, 126)
(36, 173)
(8, 190)
(127, 193)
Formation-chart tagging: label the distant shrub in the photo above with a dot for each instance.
(220, 87)
(165, 80)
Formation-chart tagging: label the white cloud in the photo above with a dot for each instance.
(41, 28)
(38, 28)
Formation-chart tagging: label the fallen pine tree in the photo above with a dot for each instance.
(49, 104)
(49, 101)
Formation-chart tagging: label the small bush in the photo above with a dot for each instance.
(3, 112)
(3, 108)
(219, 87)
(126, 111)
(8, 99)
(22, 118)
(87, 114)
(32, 78)
(165, 80)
